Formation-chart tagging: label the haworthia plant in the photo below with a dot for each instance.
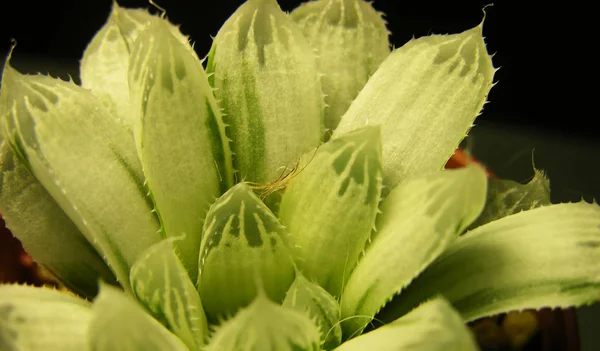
(156, 175)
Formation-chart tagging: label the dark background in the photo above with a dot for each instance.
(544, 48)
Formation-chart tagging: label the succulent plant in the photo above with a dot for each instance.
(288, 194)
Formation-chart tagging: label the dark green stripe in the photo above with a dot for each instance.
(120, 261)
(19, 151)
(139, 183)
(256, 132)
(217, 141)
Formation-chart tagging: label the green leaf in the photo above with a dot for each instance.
(418, 220)
(105, 61)
(266, 326)
(180, 136)
(85, 160)
(161, 283)
(350, 40)
(329, 206)
(309, 297)
(545, 257)
(425, 96)
(433, 326)
(33, 319)
(244, 248)
(119, 323)
(44, 229)
(506, 197)
(43, 294)
(132, 22)
(266, 80)
(103, 68)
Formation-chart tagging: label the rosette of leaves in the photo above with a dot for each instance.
(276, 198)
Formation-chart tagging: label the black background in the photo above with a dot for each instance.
(545, 49)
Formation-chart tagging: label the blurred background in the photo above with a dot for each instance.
(541, 109)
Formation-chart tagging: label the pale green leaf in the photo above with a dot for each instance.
(186, 158)
(44, 229)
(433, 326)
(105, 61)
(418, 220)
(350, 40)
(545, 257)
(266, 80)
(120, 323)
(86, 161)
(329, 206)
(244, 248)
(506, 197)
(33, 319)
(160, 282)
(103, 68)
(266, 326)
(425, 96)
(309, 297)
(40, 294)
(132, 22)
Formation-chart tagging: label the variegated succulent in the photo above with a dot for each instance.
(275, 198)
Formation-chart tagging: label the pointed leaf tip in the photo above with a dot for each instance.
(264, 325)
(425, 95)
(350, 39)
(506, 197)
(240, 225)
(105, 61)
